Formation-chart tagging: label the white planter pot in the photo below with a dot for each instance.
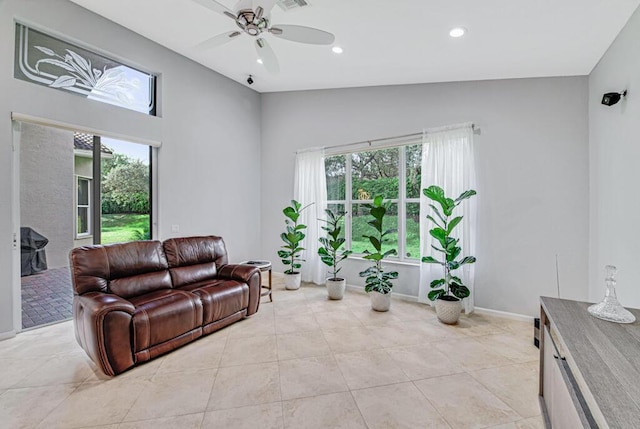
(380, 301)
(448, 311)
(335, 288)
(292, 281)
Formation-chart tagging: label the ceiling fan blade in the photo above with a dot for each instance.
(243, 4)
(218, 40)
(268, 57)
(216, 7)
(298, 33)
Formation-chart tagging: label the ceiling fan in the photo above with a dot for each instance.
(255, 22)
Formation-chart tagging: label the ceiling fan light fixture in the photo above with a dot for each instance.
(457, 32)
(337, 50)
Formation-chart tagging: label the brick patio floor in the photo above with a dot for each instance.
(46, 297)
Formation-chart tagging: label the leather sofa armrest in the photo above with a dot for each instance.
(103, 329)
(248, 274)
(241, 273)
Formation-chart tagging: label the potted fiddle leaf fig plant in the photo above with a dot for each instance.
(290, 251)
(378, 281)
(448, 291)
(331, 253)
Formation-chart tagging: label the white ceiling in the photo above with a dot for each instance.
(392, 41)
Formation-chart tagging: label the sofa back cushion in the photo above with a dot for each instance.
(194, 259)
(124, 269)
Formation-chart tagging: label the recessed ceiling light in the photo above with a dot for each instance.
(337, 49)
(259, 60)
(457, 32)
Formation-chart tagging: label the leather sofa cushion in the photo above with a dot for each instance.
(163, 315)
(220, 298)
(141, 284)
(97, 268)
(194, 259)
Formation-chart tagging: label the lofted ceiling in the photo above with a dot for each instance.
(390, 42)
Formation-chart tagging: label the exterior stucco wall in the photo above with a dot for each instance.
(47, 187)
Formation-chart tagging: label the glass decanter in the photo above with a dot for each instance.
(610, 308)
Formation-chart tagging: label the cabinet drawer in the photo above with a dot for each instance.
(565, 405)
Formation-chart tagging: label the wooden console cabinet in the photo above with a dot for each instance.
(589, 368)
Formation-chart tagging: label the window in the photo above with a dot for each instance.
(83, 207)
(49, 61)
(355, 178)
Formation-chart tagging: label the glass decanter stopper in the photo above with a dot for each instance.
(610, 309)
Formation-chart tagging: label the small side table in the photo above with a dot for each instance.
(263, 266)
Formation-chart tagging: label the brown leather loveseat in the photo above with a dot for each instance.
(138, 300)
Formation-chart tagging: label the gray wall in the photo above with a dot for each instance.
(614, 173)
(532, 170)
(47, 188)
(209, 128)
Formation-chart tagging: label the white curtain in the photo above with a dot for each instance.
(310, 187)
(448, 162)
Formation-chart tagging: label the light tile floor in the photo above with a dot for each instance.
(301, 362)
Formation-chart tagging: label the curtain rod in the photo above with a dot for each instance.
(474, 127)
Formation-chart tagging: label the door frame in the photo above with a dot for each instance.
(16, 121)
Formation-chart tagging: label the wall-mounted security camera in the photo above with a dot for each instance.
(611, 98)
(250, 80)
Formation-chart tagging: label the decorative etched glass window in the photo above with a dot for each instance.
(55, 63)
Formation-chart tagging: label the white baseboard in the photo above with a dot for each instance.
(479, 310)
(504, 314)
(7, 335)
(401, 296)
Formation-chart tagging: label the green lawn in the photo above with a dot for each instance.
(117, 228)
(360, 227)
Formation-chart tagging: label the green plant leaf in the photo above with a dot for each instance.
(434, 221)
(460, 291)
(434, 193)
(437, 283)
(440, 235)
(430, 260)
(453, 254)
(455, 221)
(437, 212)
(373, 257)
(468, 260)
(435, 294)
(291, 213)
(448, 207)
(466, 194)
(389, 253)
(375, 243)
(377, 200)
(283, 254)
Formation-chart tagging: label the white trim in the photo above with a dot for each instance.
(79, 128)
(7, 335)
(400, 201)
(401, 296)
(504, 314)
(89, 206)
(15, 220)
(411, 298)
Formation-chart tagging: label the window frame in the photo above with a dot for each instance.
(88, 206)
(401, 201)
